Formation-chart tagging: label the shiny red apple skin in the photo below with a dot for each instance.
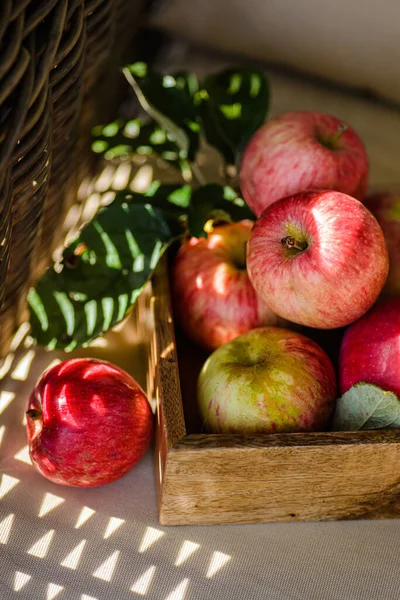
(95, 423)
(285, 156)
(340, 274)
(370, 349)
(214, 300)
(385, 206)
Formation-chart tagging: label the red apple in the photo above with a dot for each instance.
(385, 206)
(268, 380)
(298, 151)
(214, 300)
(370, 350)
(88, 423)
(318, 258)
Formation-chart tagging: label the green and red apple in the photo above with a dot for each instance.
(267, 380)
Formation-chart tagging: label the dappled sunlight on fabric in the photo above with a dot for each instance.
(218, 560)
(49, 503)
(41, 547)
(179, 592)
(5, 399)
(5, 528)
(23, 455)
(6, 365)
(106, 570)
(72, 559)
(2, 432)
(112, 526)
(20, 580)
(21, 371)
(7, 484)
(84, 516)
(151, 536)
(53, 590)
(19, 336)
(187, 549)
(142, 584)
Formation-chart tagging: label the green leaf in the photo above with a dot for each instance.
(216, 202)
(366, 406)
(169, 100)
(233, 104)
(136, 136)
(171, 199)
(104, 271)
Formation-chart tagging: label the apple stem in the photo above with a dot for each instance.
(290, 242)
(34, 414)
(340, 130)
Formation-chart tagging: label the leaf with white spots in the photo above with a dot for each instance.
(105, 268)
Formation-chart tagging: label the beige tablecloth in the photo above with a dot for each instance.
(106, 543)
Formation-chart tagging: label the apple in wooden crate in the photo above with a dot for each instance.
(214, 300)
(300, 150)
(88, 423)
(370, 350)
(385, 206)
(268, 380)
(318, 258)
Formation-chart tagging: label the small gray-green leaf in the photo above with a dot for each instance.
(366, 406)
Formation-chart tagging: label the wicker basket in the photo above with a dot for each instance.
(52, 56)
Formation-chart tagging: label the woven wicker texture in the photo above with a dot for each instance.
(52, 55)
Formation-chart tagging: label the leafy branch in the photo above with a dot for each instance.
(104, 270)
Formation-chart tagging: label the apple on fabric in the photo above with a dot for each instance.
(370, 349)
(88, 423)
(268, 380)
(385, 206)
(214, 300)
(318, 258)
(301, 150)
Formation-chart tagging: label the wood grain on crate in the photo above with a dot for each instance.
(205, 478)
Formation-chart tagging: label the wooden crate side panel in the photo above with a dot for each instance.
(165, 362)
(310, 482)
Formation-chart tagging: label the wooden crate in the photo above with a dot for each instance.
(205, 478)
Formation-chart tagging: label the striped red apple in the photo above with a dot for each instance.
(385, 206)
(214, 300)
(300, 150)
(318, 258)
